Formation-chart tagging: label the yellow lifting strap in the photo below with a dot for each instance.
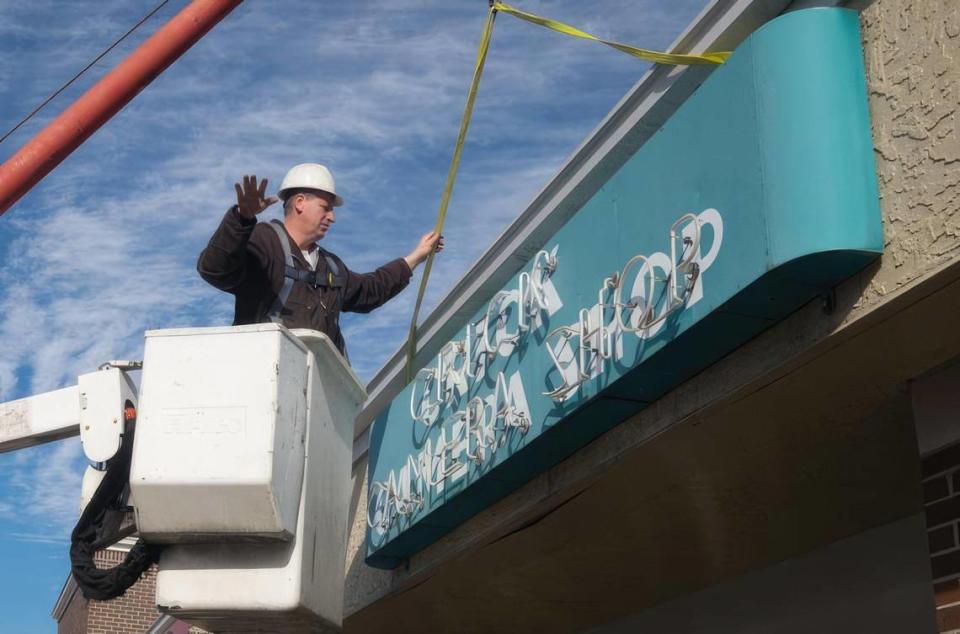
(495, 6)
(642, 53)
(448, 188)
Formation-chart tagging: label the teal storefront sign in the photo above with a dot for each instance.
(756, 196)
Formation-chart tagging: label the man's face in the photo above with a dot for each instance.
(315, 214)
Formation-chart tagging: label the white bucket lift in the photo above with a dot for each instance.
(218, 452)
(244, 440)
(241, 466)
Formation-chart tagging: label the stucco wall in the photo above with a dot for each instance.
(363, 584)
(912, 50)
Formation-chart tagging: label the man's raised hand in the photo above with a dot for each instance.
(251, 199)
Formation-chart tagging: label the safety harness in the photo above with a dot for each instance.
(334, 277)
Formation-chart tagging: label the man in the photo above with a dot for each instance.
(277, 271)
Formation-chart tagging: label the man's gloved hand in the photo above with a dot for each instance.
(250, 198)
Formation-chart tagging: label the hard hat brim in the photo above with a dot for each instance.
(337, 200)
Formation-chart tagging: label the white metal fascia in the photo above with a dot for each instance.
(126, 544)
(722, 25)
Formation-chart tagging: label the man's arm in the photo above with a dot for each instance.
(223, 262)
(367, 291)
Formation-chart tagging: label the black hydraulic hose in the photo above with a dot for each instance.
(86, 539)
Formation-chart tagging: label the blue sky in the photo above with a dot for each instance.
(104, 248)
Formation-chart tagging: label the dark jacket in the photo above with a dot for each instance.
(245, 258)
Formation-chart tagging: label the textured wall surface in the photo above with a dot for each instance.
(912, 50)
(363, 584)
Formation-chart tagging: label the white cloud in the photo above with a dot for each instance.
(42, 493)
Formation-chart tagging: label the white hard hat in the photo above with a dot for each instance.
(309, 176)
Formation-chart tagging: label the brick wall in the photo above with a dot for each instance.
(941, 496)
(132, 613)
